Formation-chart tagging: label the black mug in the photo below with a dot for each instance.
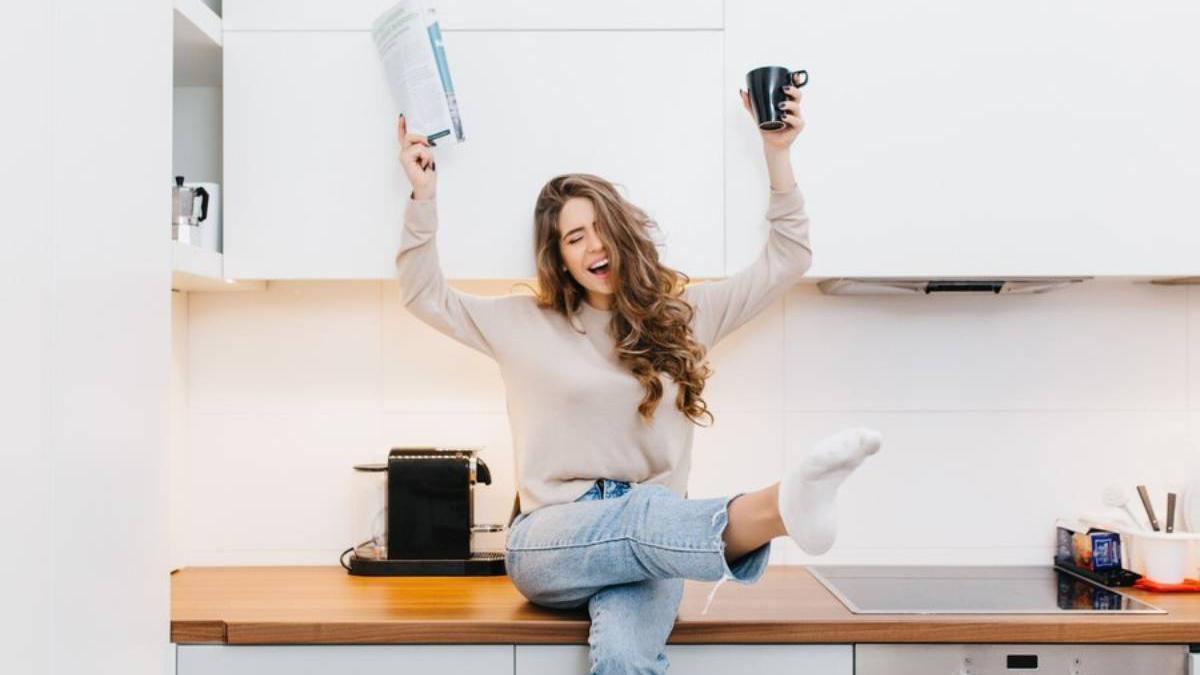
(765, 89)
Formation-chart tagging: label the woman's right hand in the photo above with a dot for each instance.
(417, 160)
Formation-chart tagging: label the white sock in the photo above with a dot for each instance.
(808, 491)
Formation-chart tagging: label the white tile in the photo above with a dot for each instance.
(490, 432)
(426, 371)
(275, 482)
(740, 452)
(1193, 346)
(298, 346)
(747, 376)
(1099, 346)
(985, 486)
(178, 415)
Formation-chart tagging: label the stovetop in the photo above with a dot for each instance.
(888, 589)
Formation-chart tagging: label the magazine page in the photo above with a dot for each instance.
(409, 41)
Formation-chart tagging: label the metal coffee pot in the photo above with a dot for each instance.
(185, 224)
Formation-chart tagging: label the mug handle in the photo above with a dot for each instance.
(797, 73)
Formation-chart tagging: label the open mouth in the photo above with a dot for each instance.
(600, 269)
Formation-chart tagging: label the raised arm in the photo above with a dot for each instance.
(722, 306)
(473, 320)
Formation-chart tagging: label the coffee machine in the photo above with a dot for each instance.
(426, 525)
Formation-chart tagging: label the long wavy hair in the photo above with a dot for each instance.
(650, 320)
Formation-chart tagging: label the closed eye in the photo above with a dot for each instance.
(576, 240)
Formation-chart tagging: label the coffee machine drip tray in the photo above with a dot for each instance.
(362, 561)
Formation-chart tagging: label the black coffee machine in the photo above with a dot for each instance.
(430, 517)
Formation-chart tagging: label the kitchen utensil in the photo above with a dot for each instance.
(1170, 512)
(1149, 507)
(1116, 495)
(185, 224)
(1108, 520)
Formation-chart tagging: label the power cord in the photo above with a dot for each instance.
(342, 557)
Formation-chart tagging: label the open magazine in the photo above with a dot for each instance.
(414, 62)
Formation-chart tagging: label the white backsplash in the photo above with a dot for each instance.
(998, 413)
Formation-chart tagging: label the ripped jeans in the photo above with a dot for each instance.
(625, 552)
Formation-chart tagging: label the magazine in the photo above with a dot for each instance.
(414, 63)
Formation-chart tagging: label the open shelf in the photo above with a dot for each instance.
(197, 136)
(197, 45)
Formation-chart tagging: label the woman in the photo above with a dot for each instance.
(601, 515)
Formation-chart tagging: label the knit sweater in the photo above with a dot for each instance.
(572, 405)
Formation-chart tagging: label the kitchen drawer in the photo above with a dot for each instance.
(713, 659)
(344, 659)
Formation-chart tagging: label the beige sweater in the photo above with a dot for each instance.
(572, 406)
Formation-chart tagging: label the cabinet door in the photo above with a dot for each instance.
(344, 659)
(715, 659)
(476, 14)
(952, 138)
(314, 189)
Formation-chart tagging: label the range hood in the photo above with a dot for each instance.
(919, 286)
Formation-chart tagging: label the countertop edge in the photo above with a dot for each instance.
(742, 632)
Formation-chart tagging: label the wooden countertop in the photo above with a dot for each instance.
(325, 605)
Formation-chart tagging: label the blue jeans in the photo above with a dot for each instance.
(625, 552)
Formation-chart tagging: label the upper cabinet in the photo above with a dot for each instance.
(944, 139)
(951, 138)
(480, 14)
(314, 187)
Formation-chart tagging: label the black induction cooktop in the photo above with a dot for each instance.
(932, 589)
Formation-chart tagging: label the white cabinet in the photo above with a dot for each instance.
(343, 659)
(951, 138)
(703, 659)
(478, 14)
(314, 189)
(499, 659)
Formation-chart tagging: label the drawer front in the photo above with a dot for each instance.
(344, 659)
(703, 659)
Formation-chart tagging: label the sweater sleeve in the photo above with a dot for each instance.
(724, 305)
(474, 320)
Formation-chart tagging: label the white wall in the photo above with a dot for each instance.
(196, 152)
(85, 130)
(999, 412)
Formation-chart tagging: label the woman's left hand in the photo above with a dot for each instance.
(780, 139)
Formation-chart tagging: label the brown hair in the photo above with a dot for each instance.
(650, 321)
